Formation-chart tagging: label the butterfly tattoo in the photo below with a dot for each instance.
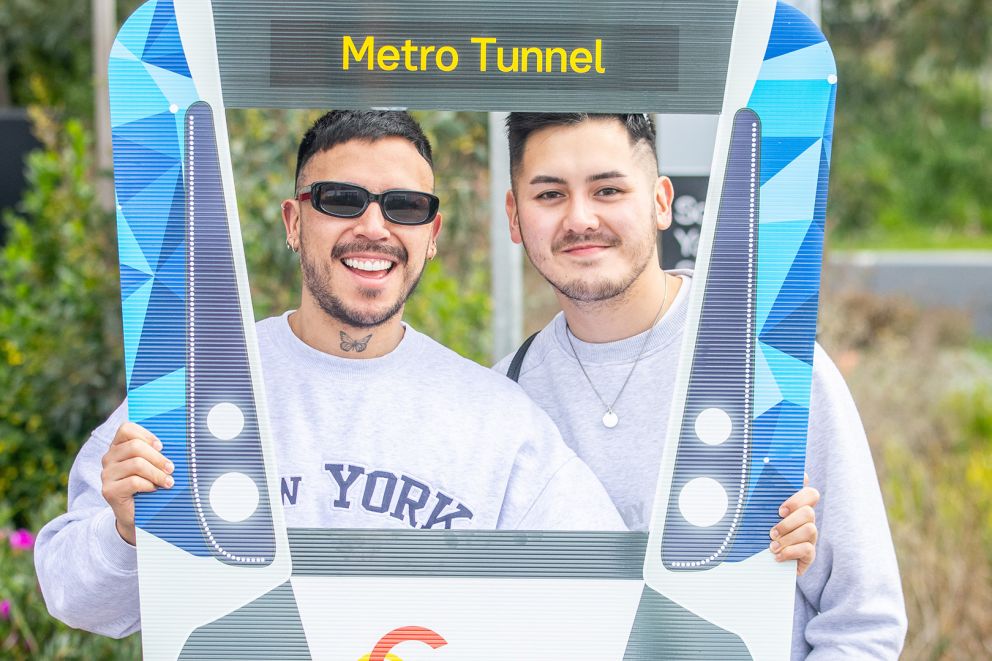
(348, 344)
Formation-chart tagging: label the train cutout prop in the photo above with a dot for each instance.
(220, 574)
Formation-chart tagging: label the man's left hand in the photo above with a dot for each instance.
(794, 537)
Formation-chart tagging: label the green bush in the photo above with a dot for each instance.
(924, 390)
(26, 630)
(59, 321)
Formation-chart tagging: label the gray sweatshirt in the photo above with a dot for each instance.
(419, 438)
(849, 604)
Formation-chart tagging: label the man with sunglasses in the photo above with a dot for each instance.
(587, 202)
(374, 424)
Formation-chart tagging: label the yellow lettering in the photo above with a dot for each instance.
(580, 60)
(368, 47)
(424, 52)
(499, 61)
(551, 52)
(599, 56)
(483, 41)
(388, 57)
(451, 66)
(538, 53)
(408, 50)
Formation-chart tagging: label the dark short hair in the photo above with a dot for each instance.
(340, 126)
(519, 126)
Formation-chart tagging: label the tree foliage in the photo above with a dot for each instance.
(913, 132)
(60, 331)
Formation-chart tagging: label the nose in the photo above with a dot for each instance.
(372, 224)
(580, 217)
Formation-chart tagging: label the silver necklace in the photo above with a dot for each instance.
(610, 418)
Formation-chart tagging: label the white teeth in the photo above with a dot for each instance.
(368, 264)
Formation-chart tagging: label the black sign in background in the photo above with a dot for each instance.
(17, 141)
(679, 244)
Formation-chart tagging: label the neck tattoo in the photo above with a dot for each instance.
(348, 343)
(610, 418)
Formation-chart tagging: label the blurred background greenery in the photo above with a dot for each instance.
(910, 170)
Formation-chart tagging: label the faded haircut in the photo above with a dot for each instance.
(340, 126)
(520, 125)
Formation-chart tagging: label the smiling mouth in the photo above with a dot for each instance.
(369, 268)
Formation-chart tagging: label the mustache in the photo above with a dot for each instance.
(570, 240)
(399, 253)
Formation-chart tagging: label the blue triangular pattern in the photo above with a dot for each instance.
(169, 513)
(175, 231)
(139, 166)
(162, 346)
(178, 89)
(774, 437)
(820, 210)
(805, 116)
(131, 279)
(791, 30)
(120, 51)
(814, 61)
(173, 272)
(129, 251)
(828, 124)
(762, 433)
(154, 132)
(164, 48)
(789, 195)
(778, 244)
(752, 537)
(800, 280)
(134, 308)
(147, 212)
(785, 334)
(159, 396)
(134, 32)
(766, 392)
(783, 310)
(133, 94)
(777, 153)
(791, 374)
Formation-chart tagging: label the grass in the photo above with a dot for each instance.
(910, 238)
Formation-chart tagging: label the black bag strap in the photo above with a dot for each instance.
(518, 359)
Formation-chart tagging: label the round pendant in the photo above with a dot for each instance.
(610, 419)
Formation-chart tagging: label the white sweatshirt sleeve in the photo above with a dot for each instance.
(851, 596)
(88, 573)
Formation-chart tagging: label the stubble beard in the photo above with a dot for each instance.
(588, 290)
(317, 280)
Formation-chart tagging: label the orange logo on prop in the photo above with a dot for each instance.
(382, 649)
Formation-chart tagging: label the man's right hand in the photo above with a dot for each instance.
(134, 462)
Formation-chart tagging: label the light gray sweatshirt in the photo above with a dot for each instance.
(849, 603)
(419, 438)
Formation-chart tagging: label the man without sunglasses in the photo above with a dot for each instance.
(374, 424)
(586, 203)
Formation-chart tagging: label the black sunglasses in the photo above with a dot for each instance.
(403, 207)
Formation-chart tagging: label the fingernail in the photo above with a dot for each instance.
(775, 547)
(169, 466)
(158, 444)
(774, 533)
(783, 511)
(169, 482)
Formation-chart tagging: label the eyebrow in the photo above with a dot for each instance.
(548, 179)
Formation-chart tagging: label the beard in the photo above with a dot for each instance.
(317, 280)
(591, 289)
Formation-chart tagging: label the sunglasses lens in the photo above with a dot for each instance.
(408, 207)
(341, 200)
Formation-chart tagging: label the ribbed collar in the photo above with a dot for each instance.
(304, 355)
(667, 330)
